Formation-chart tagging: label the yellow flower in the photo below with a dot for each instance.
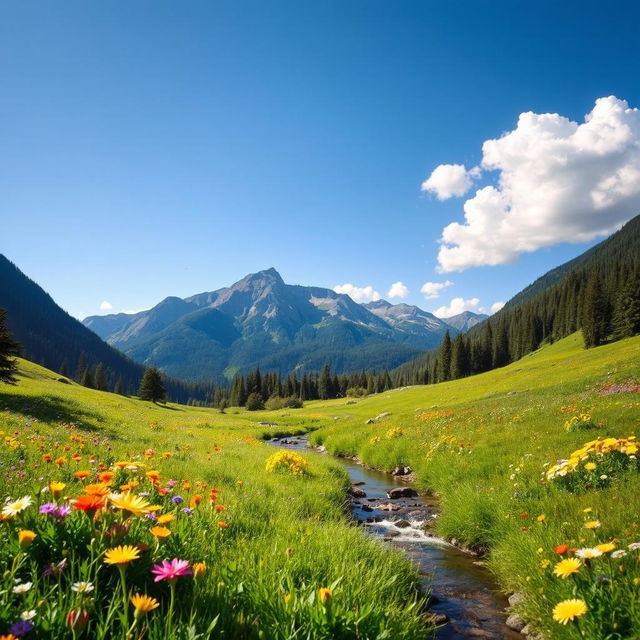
(143, 604)
(56, 488)
(566, 567)
(606, 547)
(545, 563)
(198, 568)
(165, 519)
(121, 555)
(587, 510)
(591, 466)
(160, 532)
(568, 610)
(26, 537)
(325, 595)
(135, 505)
(17, 506)
(541, 518)
(592, 524)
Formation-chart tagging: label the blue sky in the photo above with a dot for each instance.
(158, 148)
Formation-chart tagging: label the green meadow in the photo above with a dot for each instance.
(282, 558)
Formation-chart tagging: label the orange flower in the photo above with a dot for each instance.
(81, 475)
(222, 524)
(198, 568)
(47, 457)
(186, 486)
(160, 532)
(60, 461)
(106, 476)
(195, 500)
(153, 475)
(167, 454)
(99, 489)
(76, 457)
(88, 504)
(220, 508)
(561, 549)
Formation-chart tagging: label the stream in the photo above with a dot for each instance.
(461, 589)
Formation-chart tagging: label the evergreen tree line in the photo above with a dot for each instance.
(600, 296)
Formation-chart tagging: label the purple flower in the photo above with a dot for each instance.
(21, 628)
(152, 516)
(177, 500)
(172, 483)
(62, 511)
(186, 510)
(48, 508)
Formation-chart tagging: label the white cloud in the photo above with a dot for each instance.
(448, 180)
(105, 306)
(558, 181)
(359, 294)
(432, 290)
(496, 306)
(398, 290)
(456, 306)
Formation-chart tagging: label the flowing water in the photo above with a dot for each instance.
(461, 588)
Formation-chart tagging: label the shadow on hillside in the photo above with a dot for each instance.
(54, 409)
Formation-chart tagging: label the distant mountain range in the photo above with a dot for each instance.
(261, 321)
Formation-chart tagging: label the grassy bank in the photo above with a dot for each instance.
(485, 444)
(279, 556)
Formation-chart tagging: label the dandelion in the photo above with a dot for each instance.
(17, 506)
(569, 610)
(606, 547)
(592, 524)
(121, 555)
(26, 537)
(567, 567)
(143, 604)
(82, 587)
(325, 595)
(541, 518)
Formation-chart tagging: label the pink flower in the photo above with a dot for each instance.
(171, 570)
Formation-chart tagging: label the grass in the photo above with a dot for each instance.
(275, 540)
(482, 445)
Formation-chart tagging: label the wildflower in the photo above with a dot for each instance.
(568, 610)
(55, 569)
(81, 475)
(121, 555)
(177, 500)
(17, 506)
(187, 511)
(325, 595)
(606, 547)
(590, 466)
(22, 588)
(588, 554)
(222, 524)
(566, 567)
(56, 488)
(89, 504)
(26, 537)
(220, 508)
(143, 604)
(135, 505)
(21, 628)
(47, 457)
(620, 553)
(592, 524)
(587, 510)
(198, 568)
(171, 570)
(78, 619)
(195, 500)
(82, 587)
(60, 461)
(545, 563)
(165, 518)
(160, 532)
(561, 549)
(541, 518)
(634, 546)
(28, 615)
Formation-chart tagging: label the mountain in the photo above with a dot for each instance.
(413, 325)
(50, 336)
(465, 320)
(262, 321)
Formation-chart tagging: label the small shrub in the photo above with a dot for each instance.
(254, 402)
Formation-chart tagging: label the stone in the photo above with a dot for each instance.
(357, 493)
(382, 415)
(401, 471)
(369, 421)
(388, 507)
(321, 449)
(515, 622)
(515, 599)
(366, 507)
(402, 524)
(439, 618)
(401, 492)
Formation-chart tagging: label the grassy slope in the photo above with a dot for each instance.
(481, 444)
(286, 534)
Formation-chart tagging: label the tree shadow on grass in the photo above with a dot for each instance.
(52, 409)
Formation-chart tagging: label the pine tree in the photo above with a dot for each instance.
(119, 388)
(444, 358)
(151, 387)
(594, 319)
(324, 383)
(81, 366)
(86, 379)
(9, 348)
(459, 358)
(100, 378)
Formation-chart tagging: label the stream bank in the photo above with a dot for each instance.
(464, 595)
